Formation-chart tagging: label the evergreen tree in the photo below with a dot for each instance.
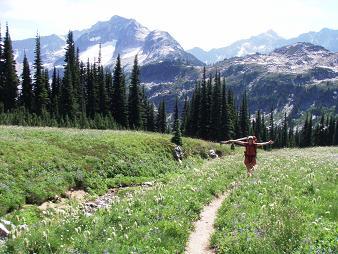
(161, 118)
(271, 127)
(82, 92)
(216, 110)
(119, 95)
(244, 117)
(135, 100)
(40, 92)
(335, 140)
(2, 99)
(92, 92)
(102, 95)
(55, 93)
(331, 132)
(185, 116)
(195, 106)
(27, 95)
(204, 109)
(71, 86)
(177, 138)
(10, 79)
(285, 141)
(150, 117)
(258, 126)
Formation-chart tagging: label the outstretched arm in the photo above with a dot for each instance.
(236, 141)
(270, 142)
(233, 140)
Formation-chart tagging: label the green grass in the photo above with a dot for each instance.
(156, 220)
(289, 206)
(39, 163)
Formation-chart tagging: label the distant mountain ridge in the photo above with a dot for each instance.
(116, 36)
(266, 43)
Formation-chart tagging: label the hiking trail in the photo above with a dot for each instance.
(199, 239)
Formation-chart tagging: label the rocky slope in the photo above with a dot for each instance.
(266, 43)
(116, 36)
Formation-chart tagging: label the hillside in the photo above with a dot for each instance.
(117, 35)
(265, 43)
(159, 218)
(292, 79)
(38, 163)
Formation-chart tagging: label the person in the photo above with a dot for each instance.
(250, 152)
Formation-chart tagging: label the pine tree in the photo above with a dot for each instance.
(185, 116)
(71, 86)
(150, 117)
(92, 92)
(216, 110)
(2, 99)
(161, 118)
(10, 79)
(331, 132)
(335, 140)
(40, 92)
(204, 108)
(177, 138)
(102, 95)
(258, 126)
(120, 111)
(271, 126)
(285, 141)
(135, 100)
(27, 95)
(244, 116)
(55, 93)
(195, 115)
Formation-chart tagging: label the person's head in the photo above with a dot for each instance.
(250, 140)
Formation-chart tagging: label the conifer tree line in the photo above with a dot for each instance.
(89, 96)
(86, 96)
(212, 114)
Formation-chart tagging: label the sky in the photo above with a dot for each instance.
(193, 23)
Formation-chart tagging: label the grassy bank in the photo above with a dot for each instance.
(289, 206)
(38, 163)
(155, 220)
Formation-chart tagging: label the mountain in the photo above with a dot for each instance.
(116, 36)
(266, 43)
(292, 79)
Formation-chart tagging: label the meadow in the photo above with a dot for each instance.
(289, 206)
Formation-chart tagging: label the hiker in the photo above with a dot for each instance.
(250, 150)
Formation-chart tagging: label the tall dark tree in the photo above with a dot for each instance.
(216, 110)
(103, 97)
(150, 117)
(161, 118)
(40, 91)
(195, 106)
(10, 80)
(55, 93)
(285, 136)
(135, 100)
(177, 138)
(70, 85)
(1, 75)
(120, 109)
(335, 140)
(244, 117)
(27, 95)
(204, 108)
(185, 116)
(258, 126)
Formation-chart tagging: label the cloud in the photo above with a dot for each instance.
(207, 24)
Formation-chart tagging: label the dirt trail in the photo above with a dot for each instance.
(199, 239)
